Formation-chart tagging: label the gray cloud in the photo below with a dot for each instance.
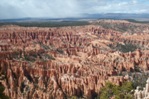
(68, 8)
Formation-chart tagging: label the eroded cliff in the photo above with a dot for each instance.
(57, 63)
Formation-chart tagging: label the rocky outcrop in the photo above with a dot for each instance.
(142, 94)
(47, 63)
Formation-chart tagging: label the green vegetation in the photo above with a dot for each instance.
(43, 57)
(136, 21)
(47, 57)
(15, 54)
(48, 24)
(121, 26)
(114, 91)
(118, 92)
(139, 79)
(73, 97)
(124, 48)
(2, 95)
(29, 58)
(60, 51)
(44, 46)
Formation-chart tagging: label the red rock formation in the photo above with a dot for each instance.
(48, 63)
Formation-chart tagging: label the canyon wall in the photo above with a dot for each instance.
(54, 63)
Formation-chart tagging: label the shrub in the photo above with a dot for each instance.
(118, 92)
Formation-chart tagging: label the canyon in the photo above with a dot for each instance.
(61, 62)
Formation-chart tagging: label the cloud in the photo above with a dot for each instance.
(134, 1)
(38, 8)
(68, 8)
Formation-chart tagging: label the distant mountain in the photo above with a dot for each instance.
(39, 19)
(85, 16)
(25, 20)
(117, 16)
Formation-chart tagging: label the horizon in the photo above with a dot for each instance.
(15, 9)
(85, 16)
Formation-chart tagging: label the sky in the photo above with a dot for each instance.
(10, 9)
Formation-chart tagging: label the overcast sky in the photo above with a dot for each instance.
(68, 8)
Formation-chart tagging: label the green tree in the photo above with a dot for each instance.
(118, 92)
